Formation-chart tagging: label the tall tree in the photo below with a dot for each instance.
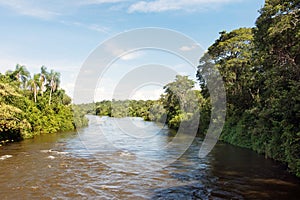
(43, 75)
(231, 55)
(53, 83)
(34, 85)
(20, 74)
(277, 40)
(180, 101)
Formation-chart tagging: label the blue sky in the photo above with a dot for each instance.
(61, 34)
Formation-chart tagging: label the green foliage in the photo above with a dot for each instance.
(231, 55)
(125, 108)
(205, 115)
(103, 108)
(261, 73)
(157, 112)
(278, 49)
(178, 105)
(180, 101)
(79, 116)
(140, 108)
(31, 106)
(12, 123)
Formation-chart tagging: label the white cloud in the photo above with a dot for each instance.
(188, 48)
(98, 28)
(100, 1)
(93, 27)
(147, 95)
(48, 9)
(131, 55)
(171, 5)
(118, 50)
(29, 8)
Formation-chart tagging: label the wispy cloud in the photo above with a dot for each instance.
(98, 28)
(131, 55)
(172, 5)
(93, 27)
(146, 94)
(118, 50)
(99, 1)
(48, 9)
(188, 48)
(29, 8)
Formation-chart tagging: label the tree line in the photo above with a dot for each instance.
(32, 105)
(178, 104)
(260, 67)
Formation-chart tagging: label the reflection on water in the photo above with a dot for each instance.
(125, 145)
(59, 166)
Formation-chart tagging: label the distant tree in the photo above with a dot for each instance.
(180, 101)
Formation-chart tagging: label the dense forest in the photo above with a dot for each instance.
(260, 67)
(261, 72)
(32, 105)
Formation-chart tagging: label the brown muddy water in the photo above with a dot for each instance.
(84, 165)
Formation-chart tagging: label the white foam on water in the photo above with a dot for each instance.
(5, 157)
(51, 157)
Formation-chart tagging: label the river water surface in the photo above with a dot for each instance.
(85, 165)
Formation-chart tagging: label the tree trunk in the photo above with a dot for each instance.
(35, 93)
(50, 96)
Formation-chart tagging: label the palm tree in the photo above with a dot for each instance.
(20, 74)
(43, 77)
(23, 75)
(54, 83)
(34, 84)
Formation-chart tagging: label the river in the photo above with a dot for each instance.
(90, 165)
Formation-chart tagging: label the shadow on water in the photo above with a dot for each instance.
(229, 172)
